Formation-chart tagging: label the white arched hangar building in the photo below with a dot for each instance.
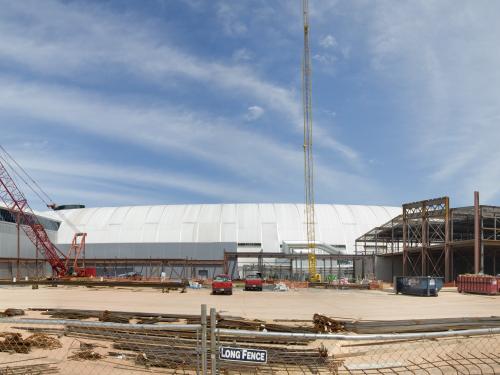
(134, 234)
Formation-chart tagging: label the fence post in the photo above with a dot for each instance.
(204, 339)
(213, 343)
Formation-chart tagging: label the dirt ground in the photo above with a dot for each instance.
(293, 304)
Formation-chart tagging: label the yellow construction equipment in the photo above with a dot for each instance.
(308, 152)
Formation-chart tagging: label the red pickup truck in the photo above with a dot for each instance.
(222, 284)
(253, 282)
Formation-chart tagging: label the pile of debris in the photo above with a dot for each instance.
(11, 312)
(324, 324)
(227, 322)
(14, 343)
(40, 340)
(86, 355)
(115, 316)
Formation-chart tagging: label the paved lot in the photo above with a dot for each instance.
(294, 304)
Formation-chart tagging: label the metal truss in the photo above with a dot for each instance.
(425, 228)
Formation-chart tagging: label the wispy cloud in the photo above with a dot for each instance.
(444, 59)
(254, 112)
(228, 17)
(64, 59)
(93, 38)
(114, 177)
(328, 41)
(169, 132)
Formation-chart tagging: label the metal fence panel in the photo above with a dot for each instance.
(461, 352)
(47, 346)
(31, 346)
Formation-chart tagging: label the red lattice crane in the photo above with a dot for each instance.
(16, 202)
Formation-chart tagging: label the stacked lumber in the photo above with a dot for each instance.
(169, 337)
(324, 324)
(108, 316)
(260, 325)
(116, 316)
(227, 322)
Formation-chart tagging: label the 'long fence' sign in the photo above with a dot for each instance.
(242, 355)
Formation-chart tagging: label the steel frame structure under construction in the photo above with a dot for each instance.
(434, 239)
(291, 264)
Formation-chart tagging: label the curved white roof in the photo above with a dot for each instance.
(265, 224)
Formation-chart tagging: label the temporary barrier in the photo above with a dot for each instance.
(480, 284)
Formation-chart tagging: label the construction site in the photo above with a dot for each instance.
(247, 288)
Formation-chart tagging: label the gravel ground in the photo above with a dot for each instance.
(294, 304)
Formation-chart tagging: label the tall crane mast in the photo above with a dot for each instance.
(308, 151)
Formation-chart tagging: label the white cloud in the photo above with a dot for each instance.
(325, 59)
(167, 131)
(163, 129)
(229, 18)
(94, 38)
(83, 38)
(105, 173)
(328, 41)
(254, 113)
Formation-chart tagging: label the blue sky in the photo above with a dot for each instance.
(162, 102)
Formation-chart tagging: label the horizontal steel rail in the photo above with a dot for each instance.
(245, 333)
(125, 283)
(392, 336)
(78, 323)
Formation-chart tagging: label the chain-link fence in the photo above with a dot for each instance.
(457, 352)
(49, 346)
(32, 346)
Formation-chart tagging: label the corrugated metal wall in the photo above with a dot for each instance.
(8, 249)
(8, 242)
(176, 250)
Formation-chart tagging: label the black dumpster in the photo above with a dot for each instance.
(418, 285)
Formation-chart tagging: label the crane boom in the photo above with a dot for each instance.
(16, 202)
(308, 149)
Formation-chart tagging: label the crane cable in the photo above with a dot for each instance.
(13, 170)
(50, 203)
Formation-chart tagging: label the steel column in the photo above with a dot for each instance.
(213, 343)
(477, 234)
(425, 241)
(447, 277)
(204, 339)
